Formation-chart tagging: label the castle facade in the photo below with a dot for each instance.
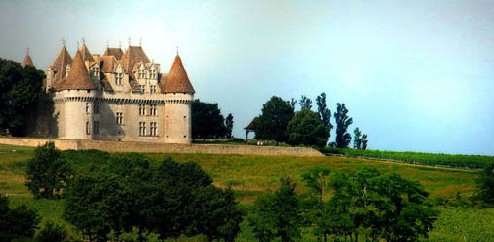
(117, 96)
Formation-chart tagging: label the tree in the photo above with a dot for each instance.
(305, 103)
(229, 126)
(16, 223)
(357, 139)
(485, 185)
(20, 91)
(364, 141)
(273, 122)
(342, 123)
(47, 172)
(128, 193)
(324, 112)
(306, 128)
(207, 121)
(277, 215)
(317, 206)
(367, 203)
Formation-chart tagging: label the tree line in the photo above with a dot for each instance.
(280, 122)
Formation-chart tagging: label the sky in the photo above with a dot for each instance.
(414, 75)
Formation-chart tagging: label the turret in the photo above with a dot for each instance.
(179, 95)
(79, 92)
(27, 60)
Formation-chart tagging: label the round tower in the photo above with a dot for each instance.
(179, 95)
(78, 93)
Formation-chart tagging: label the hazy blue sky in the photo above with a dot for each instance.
(415, 75)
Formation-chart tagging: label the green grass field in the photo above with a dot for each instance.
(251, 176)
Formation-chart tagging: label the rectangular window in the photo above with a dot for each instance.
(141, 88)
(96, 107)
(119, 118)
(118, 78)
(153, 110)
(153, 88)
(87, 128)
(153, 129)
(142, 109)
(96, 127)
(142, 128)
(87, 107)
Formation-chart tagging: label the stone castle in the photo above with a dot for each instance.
(115, 96)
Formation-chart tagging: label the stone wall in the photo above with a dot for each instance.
(160, 147)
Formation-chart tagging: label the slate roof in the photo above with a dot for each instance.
(177, 80)
(78, 78)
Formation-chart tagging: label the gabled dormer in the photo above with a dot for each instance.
(140, 70)
(119, 74)
(153, 71)
(94, 72)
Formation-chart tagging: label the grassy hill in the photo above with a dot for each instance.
(251, 176)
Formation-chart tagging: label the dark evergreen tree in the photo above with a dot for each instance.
(229, 126)
(343, 138)
(273, 122)
(47, 172)
(207, 121)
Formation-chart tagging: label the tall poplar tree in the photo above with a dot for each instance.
(343, 121)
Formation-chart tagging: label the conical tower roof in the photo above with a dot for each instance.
(86, 55)
(177, 80)
(27, 61)
(78, 78)
(60, 64)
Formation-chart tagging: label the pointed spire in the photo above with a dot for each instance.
(177, 80)
(60, 64)
(86, 55)
(27, 59)
(78, 78)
